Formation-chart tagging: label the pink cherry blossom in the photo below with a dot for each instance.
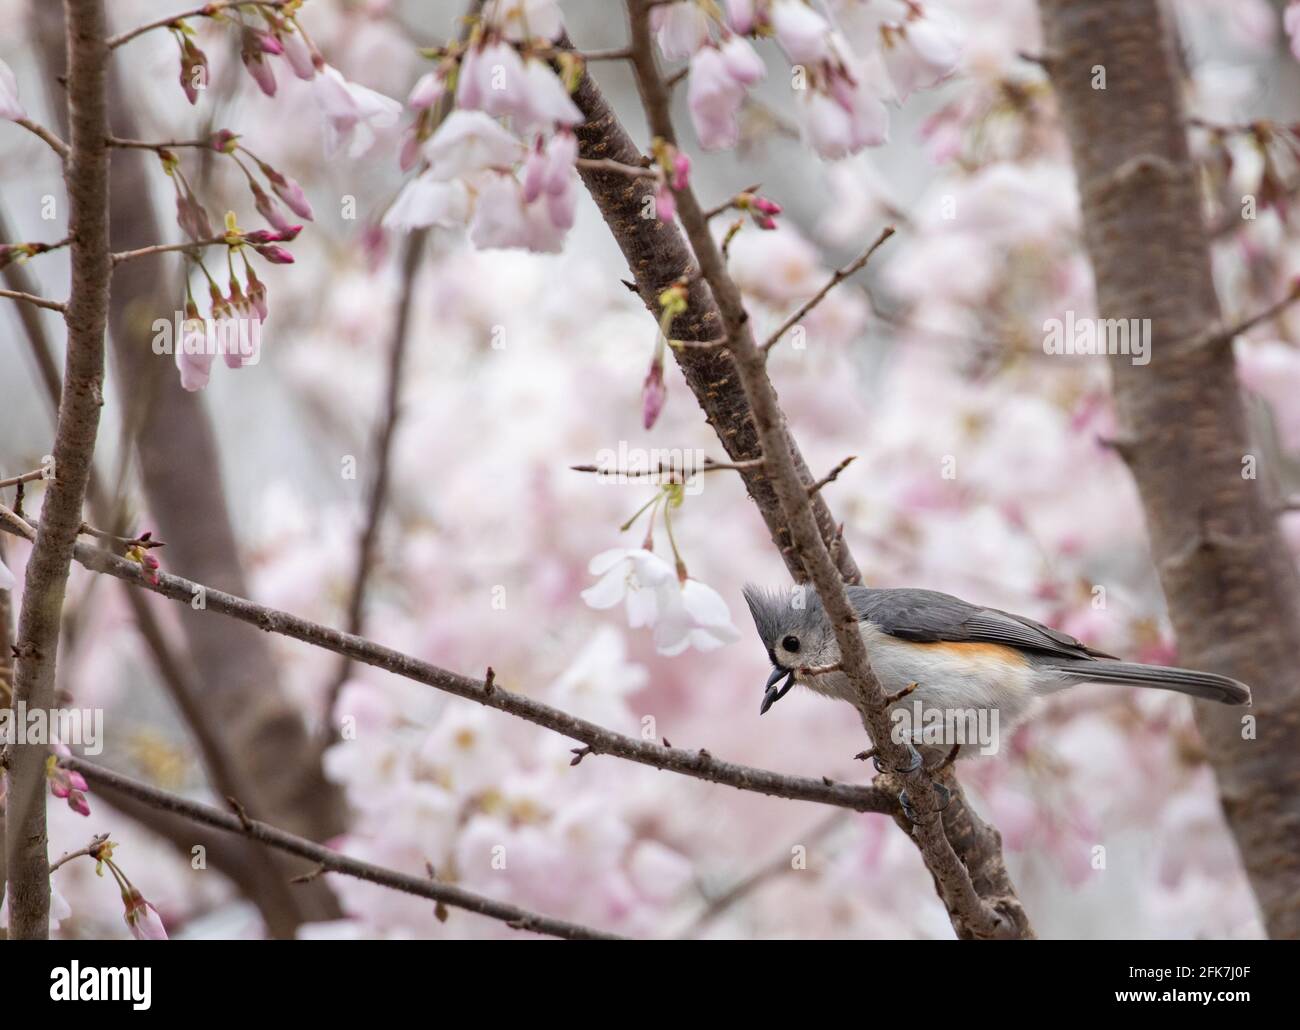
(680, 29)
(1291, 22)
(469, 142)
(692, 615)
(801, 32)
(427, 91)
(741, 16)
(714, 98)
(521, 20)
(919, 53)
(549, 169)
(299, 55)
(142, 918)
(504, 219)
(11, 107)
(425, 201)
(352, 112)
(636, 576)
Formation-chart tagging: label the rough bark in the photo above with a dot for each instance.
(241, 698)
(740, 403)
(658, 256)
(1230, 583)
(46, 581)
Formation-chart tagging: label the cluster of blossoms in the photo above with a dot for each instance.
(236, 312)
(844, 71)
(502, 162)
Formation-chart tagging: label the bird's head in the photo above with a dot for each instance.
(796, 633)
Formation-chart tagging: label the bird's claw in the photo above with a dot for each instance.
(913, 761)
(941, 792)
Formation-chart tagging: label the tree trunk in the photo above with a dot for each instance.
(1230, 583)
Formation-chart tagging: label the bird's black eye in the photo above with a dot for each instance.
(791, 644)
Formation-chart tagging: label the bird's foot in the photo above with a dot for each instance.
(940, 791)
(913, 760)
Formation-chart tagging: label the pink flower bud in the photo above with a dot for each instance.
(410, 152)
(223, 141)
(78, 803)
(274, 254)
(257, 295)
(681, 171)
(194, 71)
(142, 918)
(267, 207)
(269, 43)
(288, 191)
(299, 55)
(665, 204)
(653, 393)
(191, 215)
(427, 91)
(252, 55)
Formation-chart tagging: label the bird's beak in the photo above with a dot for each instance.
(775, 689)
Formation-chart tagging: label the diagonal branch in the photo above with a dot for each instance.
(800, 523)
(597, 739)
(332, 861)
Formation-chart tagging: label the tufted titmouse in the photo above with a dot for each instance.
(946, 654)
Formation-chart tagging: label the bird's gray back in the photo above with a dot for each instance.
(929, 616)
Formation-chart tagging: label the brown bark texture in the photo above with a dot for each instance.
(1230, 584)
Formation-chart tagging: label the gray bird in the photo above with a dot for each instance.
(942, 653)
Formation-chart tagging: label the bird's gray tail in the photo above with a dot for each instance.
(1207, 685)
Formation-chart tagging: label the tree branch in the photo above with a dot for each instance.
(698, 764)
(40, 131)
(333, 862)
(206, 11)
(971, 915)
(30, 298)
(74, 446)
(840, 275)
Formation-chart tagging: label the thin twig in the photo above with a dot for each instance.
(55, 144)
(40, 302)
(91, 850)
(838, 277)
(698, 764)
(832, 475)
(381, 458)
(206, 11)
(774, 867)
(169, 144)
(333, 861)
(168, 248)
(1227, 335)
(677, 474)
(26, 477)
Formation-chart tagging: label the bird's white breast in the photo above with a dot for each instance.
(949, 677)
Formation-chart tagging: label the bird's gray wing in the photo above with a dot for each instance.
(927, 616)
